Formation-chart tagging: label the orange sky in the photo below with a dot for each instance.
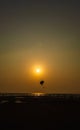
(45, 34)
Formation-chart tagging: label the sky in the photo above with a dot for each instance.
(42, 34)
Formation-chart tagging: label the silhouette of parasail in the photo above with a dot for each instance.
(42, 82)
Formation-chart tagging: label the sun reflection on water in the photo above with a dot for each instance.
(38, 94)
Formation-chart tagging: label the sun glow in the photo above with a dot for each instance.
(38, 70)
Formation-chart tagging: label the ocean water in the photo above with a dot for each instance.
(39, 111)
(37, 97)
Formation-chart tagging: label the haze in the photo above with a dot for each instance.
(40, 33)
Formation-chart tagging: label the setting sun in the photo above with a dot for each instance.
(38, 70)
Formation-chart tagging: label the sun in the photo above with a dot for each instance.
(38, 70)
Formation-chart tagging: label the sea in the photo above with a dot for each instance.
(37, 97)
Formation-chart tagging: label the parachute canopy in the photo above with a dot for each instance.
(42, 82)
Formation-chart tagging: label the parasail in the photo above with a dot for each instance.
(42, 82)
